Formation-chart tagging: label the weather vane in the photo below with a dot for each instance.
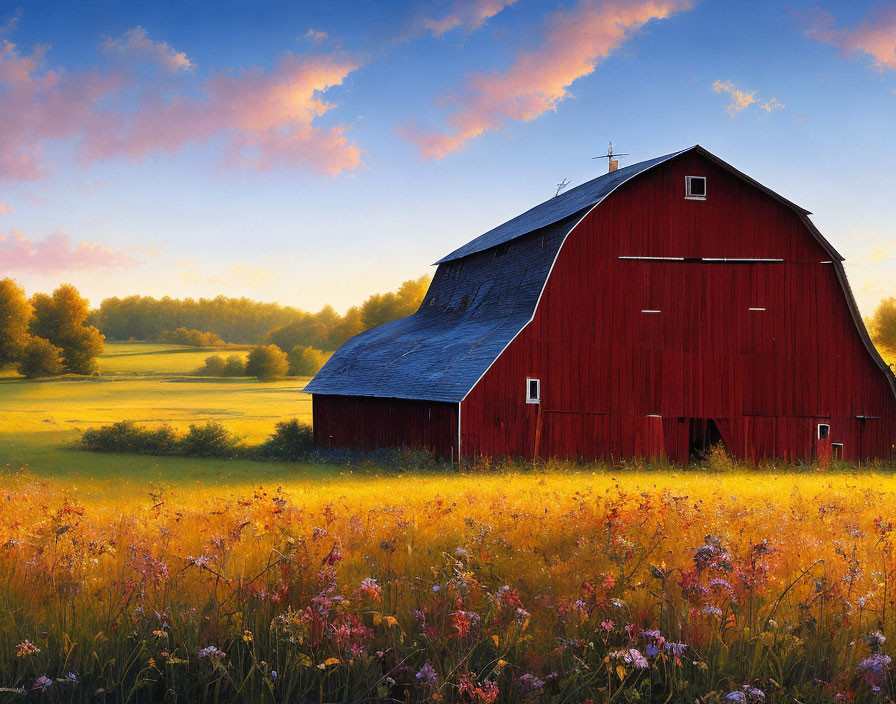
(611, 158)
(560, 186)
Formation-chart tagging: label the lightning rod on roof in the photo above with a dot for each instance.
(611, 158)
(560, 186)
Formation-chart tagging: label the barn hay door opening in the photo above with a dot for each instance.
(704, 436)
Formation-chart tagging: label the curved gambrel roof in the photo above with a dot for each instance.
(484, 294)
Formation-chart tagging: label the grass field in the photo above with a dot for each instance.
(146, 579)
(41, 421)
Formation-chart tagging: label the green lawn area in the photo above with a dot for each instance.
(41, 421)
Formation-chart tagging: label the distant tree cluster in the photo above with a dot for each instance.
(48, 334)
(883, 324)
(193, 338)
(240, 320)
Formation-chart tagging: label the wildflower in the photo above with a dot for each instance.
(528, 684)
(371, 588)
(72, 677)
(484, 692)
(247, 636)
(273, 674)
(719, 584)
(211, 651)
(26, 647)
(43, 682)
(875, 640)
(607, 625)
(427, 675)
(736, 697)
(677, 649)
(754, 694)
(633, 657)
(712, 610)
(876, 664)
(436, 588)
(464, 621)
(460, 552)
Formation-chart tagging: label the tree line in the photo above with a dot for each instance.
(243, 321)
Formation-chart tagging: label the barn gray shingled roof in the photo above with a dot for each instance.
(479, 300)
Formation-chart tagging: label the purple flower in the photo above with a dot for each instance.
(652, 651)
(528, 684)
(273, 674)
(71, 677)
(720, 584)
(428, 675)
(42, 682)
(712, 610)
(736, 697)
(677, 649)
(633, 657)
(211, 651)
(876, 664)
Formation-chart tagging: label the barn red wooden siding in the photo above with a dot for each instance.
(370, 423)
(620, 382)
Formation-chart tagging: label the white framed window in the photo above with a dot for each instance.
(824, 431)
(695, 187)
(533, 390)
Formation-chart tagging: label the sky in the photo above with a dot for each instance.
(314, 153)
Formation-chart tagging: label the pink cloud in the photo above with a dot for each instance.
(875, 36)
(575, 42)
(469, 14)
(264, 118)
(136, 42)
(56, 253)
(5, 208)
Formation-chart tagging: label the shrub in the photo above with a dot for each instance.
(209, 440)
(127, 436)
(193, 338)
(40, 358)
(234, 366)
(292, 440)
(267, 362)
(304, 360)
(213, 366)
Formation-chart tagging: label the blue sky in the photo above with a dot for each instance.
(312, 153)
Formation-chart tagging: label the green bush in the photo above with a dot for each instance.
(127, 436)
(234, 366)
(213, 366)
(209, 440)
(267, 362)
(292, 441)
(40, 357)
(304, 360)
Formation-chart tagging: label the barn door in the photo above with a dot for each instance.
(704, 436)
(823, 447)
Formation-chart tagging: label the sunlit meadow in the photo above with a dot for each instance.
(558, 585)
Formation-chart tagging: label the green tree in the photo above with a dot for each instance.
(62, 319)
(382, 308)
(40, 358)
(267, 362)
(15, 316)
(304, 360)
(883, 324)
(234, 366)
(213, 366)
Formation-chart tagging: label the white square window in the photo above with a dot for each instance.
(533, 390)
(695, 187)
(824, 431)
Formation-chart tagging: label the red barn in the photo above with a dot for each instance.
(658, 309)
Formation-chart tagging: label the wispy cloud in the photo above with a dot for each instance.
(5, 208)
(574, 43)
(875, 35)
(742, 99)
(264, 118)
(135, 42)
(469, 15)
(11, 23)
(56, 253)
(315, 35)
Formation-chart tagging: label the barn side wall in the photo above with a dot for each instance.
(619, 382)
(370, 423)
